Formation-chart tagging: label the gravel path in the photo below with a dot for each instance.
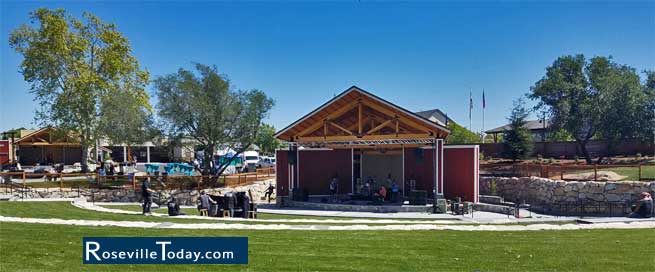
(168, 225)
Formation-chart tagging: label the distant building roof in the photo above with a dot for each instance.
(436, 115)
(531, 125)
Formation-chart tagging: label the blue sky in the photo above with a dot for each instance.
(419, 55)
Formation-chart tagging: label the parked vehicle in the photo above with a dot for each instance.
(266, 162)
(251, 159)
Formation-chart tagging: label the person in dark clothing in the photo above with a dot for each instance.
(246, 206)
(204, 203)
(174, 208)
(644, 207)
(269, 192)
(146, 192)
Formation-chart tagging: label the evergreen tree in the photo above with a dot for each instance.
(517, 141)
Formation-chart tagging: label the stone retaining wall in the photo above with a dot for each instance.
(184, 197)
(542, 190)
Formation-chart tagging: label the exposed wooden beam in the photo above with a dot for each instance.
(380, 126)
(340, 127)
(365, 137)
(333, 115)
(403, 119)
(359, 118)
(397, 126)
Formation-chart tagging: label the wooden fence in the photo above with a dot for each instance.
(562, 171)
(96, 181)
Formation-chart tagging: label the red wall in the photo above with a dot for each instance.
(4, 151)
(461, 172)
(317, 167)
(423, 170)
(282, 172)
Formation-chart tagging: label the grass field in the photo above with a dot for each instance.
(30, 247)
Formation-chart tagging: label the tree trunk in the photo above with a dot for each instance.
(85, 157)
(224, 166)
(207, 159)
(583, 149)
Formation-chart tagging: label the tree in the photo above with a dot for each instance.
(517, 141)
(461, 135)
(623, 102)
(265, 140)
(203, 105)
(592, 98)
(74, 66)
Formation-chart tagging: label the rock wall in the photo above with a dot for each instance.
(184, 197)
(542, 190)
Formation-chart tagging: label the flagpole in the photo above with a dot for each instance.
(470, 109)
(484, 106)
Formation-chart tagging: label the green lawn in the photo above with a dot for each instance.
(65, 210)
(29, 247)
(193, 211)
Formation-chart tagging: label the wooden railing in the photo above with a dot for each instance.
(95, 180)
(560, 171)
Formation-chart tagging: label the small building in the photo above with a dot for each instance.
(437, 116)
(357, 136)
(538, 128)
(47, 146)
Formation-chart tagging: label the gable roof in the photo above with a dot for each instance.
(352, 94)
(436, 115)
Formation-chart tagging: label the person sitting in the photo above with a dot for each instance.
(394, 192)
(204, 203)
(174, 208)
(643, 208)
(382, 193)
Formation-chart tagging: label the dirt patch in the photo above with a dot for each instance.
(601, 175)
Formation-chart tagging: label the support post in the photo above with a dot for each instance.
(595, 172)
(124, 153)
(148, 153)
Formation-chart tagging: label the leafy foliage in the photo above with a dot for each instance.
(75, 66)
(265, 140)
(461, 135)
(594, 98)
(517, 141)
(202, 105)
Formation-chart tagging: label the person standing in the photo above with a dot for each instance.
(269, 192)
(204, 203)
(146, 193)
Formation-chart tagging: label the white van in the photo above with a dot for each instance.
(251, 159)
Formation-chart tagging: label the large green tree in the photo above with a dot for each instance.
(592, 98)
(461, 135)
(517, 141)
(204, 106)
(266, 141)
(74, 66)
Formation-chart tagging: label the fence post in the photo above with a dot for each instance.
(561, 173)
(595, 172)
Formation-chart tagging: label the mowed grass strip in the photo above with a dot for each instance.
(65, 210)
(261, 215)
(30, 247)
